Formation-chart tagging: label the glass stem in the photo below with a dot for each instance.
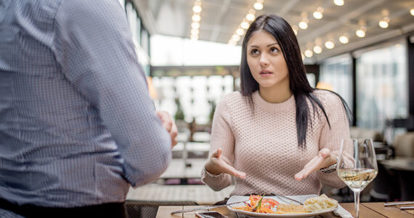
(356, 200)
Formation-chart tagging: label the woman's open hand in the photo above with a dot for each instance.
(218, 164)
(324, 159)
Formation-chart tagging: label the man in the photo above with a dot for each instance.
(77, 126)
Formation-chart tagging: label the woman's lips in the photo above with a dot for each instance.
(265, 73)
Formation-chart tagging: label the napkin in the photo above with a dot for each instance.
(340, 211)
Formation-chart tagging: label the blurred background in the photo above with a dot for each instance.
(361, 49)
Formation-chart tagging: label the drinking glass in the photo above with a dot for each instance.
(358, 168)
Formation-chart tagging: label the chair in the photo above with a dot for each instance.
(404, 145)
(357, 132)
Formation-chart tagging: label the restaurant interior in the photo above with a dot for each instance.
(190, 51)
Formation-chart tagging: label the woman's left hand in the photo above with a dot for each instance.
(324, 159)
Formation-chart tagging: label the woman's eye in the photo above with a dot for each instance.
(254, 52)
(274, 50)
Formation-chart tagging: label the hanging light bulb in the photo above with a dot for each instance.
(343, 39)
(308, 53)
(196, 17)
(195, 25)
(317, 49)
(360, 32)
(339, 2)
(250, 17)
(384, 22)
(258, 5)
(244, 24)
(197, 9)
(303, 25)
(318, 14)
(329, 44)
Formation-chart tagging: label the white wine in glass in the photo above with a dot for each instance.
(357, 166)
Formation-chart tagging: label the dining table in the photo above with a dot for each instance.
(366, 210)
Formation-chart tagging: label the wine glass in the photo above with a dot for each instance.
(357, 168)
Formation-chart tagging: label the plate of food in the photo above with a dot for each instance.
(278, 206)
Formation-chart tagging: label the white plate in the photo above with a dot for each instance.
(301, 198)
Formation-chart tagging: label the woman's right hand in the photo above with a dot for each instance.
(218, 164)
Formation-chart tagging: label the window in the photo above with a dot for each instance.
(336, 75)
(382, 85)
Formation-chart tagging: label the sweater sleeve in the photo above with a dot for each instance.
(332, 136)
(221, 137)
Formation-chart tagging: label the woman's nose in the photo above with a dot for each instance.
(264, 61)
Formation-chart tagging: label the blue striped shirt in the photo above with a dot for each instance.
(77, 126)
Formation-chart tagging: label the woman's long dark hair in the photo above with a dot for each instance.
(299, 85)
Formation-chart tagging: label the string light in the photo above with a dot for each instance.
(412, 11)
(308, 53)
(360, 32)
(384, 23)
(250, 16)
(318, 14)
(303, 24)
(317, 49)
(195, 25)
(244, 24)
(258, 5)
(329, 44)
(343, 39)
(339, 2)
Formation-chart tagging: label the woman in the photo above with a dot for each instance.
(278, 135)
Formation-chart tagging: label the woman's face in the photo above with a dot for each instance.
(266, 61)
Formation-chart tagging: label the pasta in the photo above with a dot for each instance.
(320, 203)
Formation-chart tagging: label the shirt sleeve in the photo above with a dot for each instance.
(332, 136)
(96, 54)
(221, 137)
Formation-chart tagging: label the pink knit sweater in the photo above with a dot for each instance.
(264, 144)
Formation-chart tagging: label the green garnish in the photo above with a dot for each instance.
(258, 205)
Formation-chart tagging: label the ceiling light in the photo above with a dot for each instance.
(240, 31)
(250, 17)
(339, 2)
(258, 5)
(197, 8)
(308, 53)
(235, 37)
(329, 44)
(195, 25)
(360, 33)
(317, 49)
(318, 14)
(303, 25)
(194, 31)
(196, 17)
(383, 23)
(244, 25)
(343, 39)
(412, 11)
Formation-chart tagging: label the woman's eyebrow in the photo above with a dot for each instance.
(273, 44)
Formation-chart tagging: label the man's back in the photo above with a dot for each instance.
(73, 105)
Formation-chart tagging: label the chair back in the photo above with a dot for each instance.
(404, 145)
